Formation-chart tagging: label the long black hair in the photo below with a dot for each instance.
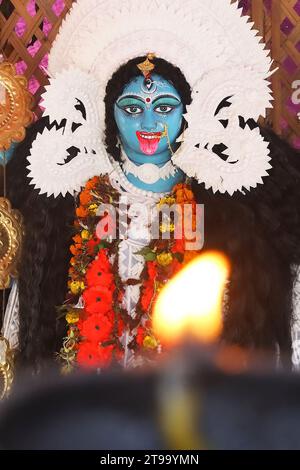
(259, 232)
(43, 268)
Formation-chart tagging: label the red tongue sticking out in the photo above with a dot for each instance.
(148, 146)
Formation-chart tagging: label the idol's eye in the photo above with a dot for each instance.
(133, 110)
(164, 109)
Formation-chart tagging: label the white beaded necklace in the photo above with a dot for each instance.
(148, 173)
(120, 179)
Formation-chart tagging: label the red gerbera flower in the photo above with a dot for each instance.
(96, 276)
(88, 355)
(96, 328)
(91, 355)
(97, 299)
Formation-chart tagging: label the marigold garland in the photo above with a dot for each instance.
(96, 328)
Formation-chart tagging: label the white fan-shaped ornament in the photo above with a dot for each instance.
(62, 159)
(212, 122)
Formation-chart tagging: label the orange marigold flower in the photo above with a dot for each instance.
(81, 212)
(183, 194)
(85, 197)
(77, 239)
(92, 182)
(74, 250)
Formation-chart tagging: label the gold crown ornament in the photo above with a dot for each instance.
(147, 66)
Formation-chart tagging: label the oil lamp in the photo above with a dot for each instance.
(188, 320)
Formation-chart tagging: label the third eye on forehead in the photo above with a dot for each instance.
(130, 100)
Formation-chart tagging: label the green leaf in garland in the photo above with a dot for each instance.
(101, 245)
(148, 254)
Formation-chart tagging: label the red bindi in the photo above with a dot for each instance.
(148, 100)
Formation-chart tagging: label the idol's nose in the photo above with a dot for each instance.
(149, 122)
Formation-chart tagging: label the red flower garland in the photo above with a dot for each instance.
(95, 331)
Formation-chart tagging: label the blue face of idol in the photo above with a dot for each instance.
(149, 118)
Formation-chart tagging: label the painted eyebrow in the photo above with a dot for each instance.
(142, 100)
(160, 97)
(135, 97)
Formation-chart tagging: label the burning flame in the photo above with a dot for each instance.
(191, 303)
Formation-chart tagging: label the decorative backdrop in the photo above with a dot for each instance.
(28, 28)
(279, 24)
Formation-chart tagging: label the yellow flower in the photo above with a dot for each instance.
(76, 287)
(164, 259)
(85, 235)
(167, 200)
(150, 342)
(93, 209)
(72, 317)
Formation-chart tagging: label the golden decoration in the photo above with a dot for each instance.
(73, 316)
(11, 232)
(164, 259)
(77, 287)
(93, 209)
(150, 342)
(15, 106)
(6, 367)
(85, 235)
(147, 67)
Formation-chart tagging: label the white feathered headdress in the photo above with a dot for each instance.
(221, 56)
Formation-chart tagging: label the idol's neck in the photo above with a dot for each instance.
(161, 186)
(136, 169)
